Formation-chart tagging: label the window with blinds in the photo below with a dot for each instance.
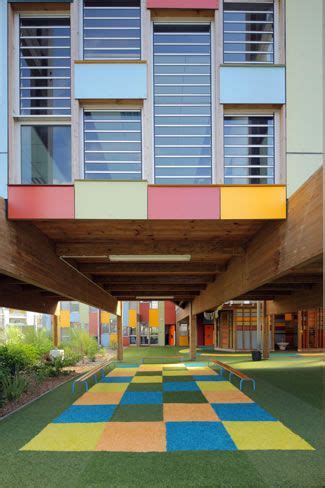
(112, 145)
(248, 32)
(112, 29)
(182, 103)
(44, 65)
(249, 149)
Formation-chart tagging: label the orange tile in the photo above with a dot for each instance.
(133, 437)
(201, 372)
(122, 372)
(186, 412)
(226, 397)
(99, 398)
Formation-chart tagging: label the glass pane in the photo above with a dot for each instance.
(44, 60)
(182, 103)
(45, 154)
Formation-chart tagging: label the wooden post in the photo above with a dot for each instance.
(215, 331)
(119, 338)
(259, 323)
(265, 333)
(193, 335)
(55, 330)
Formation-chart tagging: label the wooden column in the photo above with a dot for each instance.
(55, 330)
(215, 331)
(119, 338)
(265, 333)
(193, 336)
(259, 325)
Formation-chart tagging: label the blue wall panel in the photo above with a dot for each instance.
(110, 80)
(3, 100)
(252, 84)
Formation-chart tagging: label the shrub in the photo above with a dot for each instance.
(81, 344)
(40, 340)
(18, 357)
(12, 386)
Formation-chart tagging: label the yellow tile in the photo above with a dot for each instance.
(147, 379)
(253, 202)
(176, 372)
(123, 372)
(215, 386)
(151, 367)
(265, 436)
(108, 387)
(67, 437)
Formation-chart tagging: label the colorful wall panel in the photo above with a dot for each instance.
(93, 324)
(253, 202)
(110, 199)
(170, 313)
(106, 80)
(3, 100)
(144, 312)
(251, 84)
(133, 319)
(40, 202)
(182, 202)
(64, 318)
(104, 317)
(183, 4)
(153, 317)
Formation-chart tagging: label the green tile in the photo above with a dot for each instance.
(144, 387)
(184, 397)
(138, 413)
(177, 378)
(148, 373)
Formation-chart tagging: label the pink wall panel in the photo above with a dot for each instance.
(183, 202)
(183, 4)
(93, 324)
(40, 202)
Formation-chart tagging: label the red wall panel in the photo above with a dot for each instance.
(144, 312)
(40, 202)
(183, 202)
(170, 313)
(93, 324)
(183, 4)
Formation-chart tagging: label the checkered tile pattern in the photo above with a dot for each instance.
(159, 408)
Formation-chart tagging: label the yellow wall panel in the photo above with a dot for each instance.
(253, 202)
(183, 340)
(104, 317)
(132, 318)
(64, 318)
(153, 317)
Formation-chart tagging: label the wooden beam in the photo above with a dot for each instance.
(29, 256)
(276, 250)
(32, 302)
(153, 287)
(150, 268)
(149, 292)
(139, 280)
(200, 250)
(119, 339)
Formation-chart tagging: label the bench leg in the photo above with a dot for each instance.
(86, 385)
(221, 371)
(241, 384)
(230, 376)
(73, 387)
(254, 385)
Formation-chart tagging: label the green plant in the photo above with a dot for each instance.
(12, 386)
(40, 340)
(14, 335)
(18, 357)
(81, 344)
(70, 356)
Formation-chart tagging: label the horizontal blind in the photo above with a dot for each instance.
(44, 65)
(112, 145)
(112, 29)
(182, 103)
(248, 149)
(248, 32)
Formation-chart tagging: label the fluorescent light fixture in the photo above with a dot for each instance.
(155, 297)
(151, 258)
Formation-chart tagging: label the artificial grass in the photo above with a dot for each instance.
(291, 390)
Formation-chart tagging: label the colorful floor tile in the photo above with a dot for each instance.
(165, 407)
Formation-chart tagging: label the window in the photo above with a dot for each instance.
(249, 149)
(112, 29)
(112, 142)
(248, 32)
(44, 65)
(182, 103)
(45, 154)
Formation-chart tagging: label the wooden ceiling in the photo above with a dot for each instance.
(86, 245)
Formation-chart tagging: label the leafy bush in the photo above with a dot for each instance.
(81, 344)
(12, 387)
(18, 357)
(70, 356)
(40, 340)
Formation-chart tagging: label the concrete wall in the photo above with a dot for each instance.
(3, 100)
(305, 119)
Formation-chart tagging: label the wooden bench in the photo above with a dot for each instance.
(83, 379)
(162, 358)
(234, 372)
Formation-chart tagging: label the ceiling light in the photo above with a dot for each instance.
(149, 257)
(155, 297)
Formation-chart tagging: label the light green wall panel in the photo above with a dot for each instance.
(84, 314)
(110, 199)
(300, 167)
(304, 58)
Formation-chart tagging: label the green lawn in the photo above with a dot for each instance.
(292, 389)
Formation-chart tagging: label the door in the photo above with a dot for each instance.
(172, 330)
(208, 335)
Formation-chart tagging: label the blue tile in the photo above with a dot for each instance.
(212, 377)
(127, 365)
(241, 412)
(141, 398)
(197, 364)
(86, 413)
(180, 386)
(198, 436)
(117, 379)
